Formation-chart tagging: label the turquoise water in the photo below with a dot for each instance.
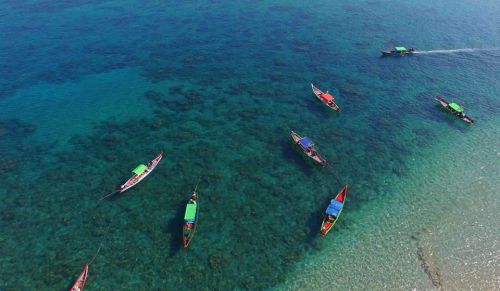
(90, 89)
(436, 229)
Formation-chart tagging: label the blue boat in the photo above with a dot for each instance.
(307, 147)
(333, 212)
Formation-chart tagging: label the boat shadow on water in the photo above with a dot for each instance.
(320, 109)
(114, 195)
(174, 228)
(313, 223)
(450, 119)
(70, 284)
(298, 158)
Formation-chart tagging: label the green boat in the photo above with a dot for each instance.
(139, 173)
(398, 51)
(456, 109)
(190, 219)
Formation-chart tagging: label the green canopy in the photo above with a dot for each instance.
(139, 169)
(400, 48)
(456, 107)
(190, 212)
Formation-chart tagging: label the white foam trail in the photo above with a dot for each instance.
(453, 51)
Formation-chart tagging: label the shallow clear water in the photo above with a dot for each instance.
(90, 89)
(435, 229)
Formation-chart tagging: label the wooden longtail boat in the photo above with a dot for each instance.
(455, 109)
(82, 279)
(398, 51)
(326, 98)
(333, 212)
(307, 147)
(140, 172)
(190, 219)
(80, 282)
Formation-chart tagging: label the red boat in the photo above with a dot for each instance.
(80, 282)
(333, 212)
(326, 98)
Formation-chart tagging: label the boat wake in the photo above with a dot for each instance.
(451, 51)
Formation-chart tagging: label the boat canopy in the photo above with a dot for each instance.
(334, 207)
(456, 107)
(190, 214)
(400, 49)
(327, 97)
(305, 142)
(139, 169)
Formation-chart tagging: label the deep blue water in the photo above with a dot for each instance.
(90, 89)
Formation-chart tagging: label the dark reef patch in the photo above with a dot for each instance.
(430, 267)
(226, 155)
(427, 260)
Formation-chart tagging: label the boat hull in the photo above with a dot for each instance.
(327, 225)
(311, 153)
(395, 53)
(318, 93)
(186, 236)
(463, 117)
(131, 182)
(82, 279)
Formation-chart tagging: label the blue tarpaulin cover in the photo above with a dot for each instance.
(305, 142)
(334, 207)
